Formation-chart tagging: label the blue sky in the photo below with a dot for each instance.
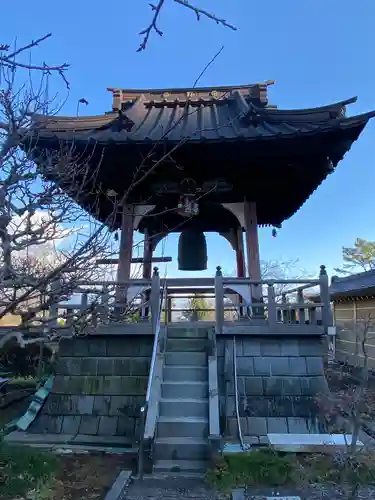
(317, 51)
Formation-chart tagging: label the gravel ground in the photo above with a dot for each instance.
(179, 488)
(172, 488)
(318, 493)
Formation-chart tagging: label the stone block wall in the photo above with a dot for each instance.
(99, 387)
(278, 380)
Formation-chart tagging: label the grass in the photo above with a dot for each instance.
(267, 468)
(257, 468)
(26, 472)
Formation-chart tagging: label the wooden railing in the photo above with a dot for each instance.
(267, 307)
(271, 305)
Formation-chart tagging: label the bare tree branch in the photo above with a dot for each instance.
(9, 59)
(157, 8)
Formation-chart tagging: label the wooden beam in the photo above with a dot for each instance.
(125, 251)
(252, 245)
(135, 260)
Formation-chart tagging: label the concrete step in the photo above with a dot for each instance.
(183, 408)
(186, 358)
(189, 333)
(185, 373)
(177, 448)
(186, 344)
(194, 427)
(176, 466)
(176, 390)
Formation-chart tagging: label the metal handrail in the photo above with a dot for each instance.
(144, 408)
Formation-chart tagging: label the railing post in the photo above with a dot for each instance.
(327, 319)
(219, 301)
(155, 299)
(272, 313)
(54, 306)
(285, 311)
(301, 310)
(105, 305)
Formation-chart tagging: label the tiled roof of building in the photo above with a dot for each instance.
(355, 284)
(226, 114)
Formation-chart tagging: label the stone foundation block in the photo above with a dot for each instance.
(297, 366)
(122, 366)
(105, 366)
(254, 385)
(277, 425)
(270, 347)
(97, 347)
(291, 386)
(88, 366)
(93, 385)
(126, 427)
(71, 424)
(89, 425)
(102, 405)
(251, 347)
(289, 347)
(315, 366)
(297, 425)
(256, 426)
(108, 426)
(245, 367)
(262, 366)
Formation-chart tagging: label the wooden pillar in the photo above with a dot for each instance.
(240, 259)
(240, 254)
(147, 256)
(126, 250)
(147, 268)
(252, 245)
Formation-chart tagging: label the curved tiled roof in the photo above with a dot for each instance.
(234, 115)
(223, 132)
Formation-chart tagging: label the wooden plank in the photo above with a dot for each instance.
(118, 487)
(135, 260)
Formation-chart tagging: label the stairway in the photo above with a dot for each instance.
(181, 443)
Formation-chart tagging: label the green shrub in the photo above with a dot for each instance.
(256, 468)
(23, 361)
(24, 469)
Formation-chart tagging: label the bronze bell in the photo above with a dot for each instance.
(192, 251)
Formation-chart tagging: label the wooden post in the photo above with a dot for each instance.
(301, 310)
(54, 307)
(146, 272)
(168, 312)
(285, 311)
(240, 254)
(105, 304)
(252, 246)
(155, 299)
(147, 256)
(219, 301)
(327, 318)
(272, 313)
(240, 259)
(125, 253)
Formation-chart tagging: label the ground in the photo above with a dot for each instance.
(50, 477)
(89, 476)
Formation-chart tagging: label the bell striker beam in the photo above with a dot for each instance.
(252, 245)
(126, 250)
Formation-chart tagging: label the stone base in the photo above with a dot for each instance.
(99, 387)
(79, 443)
(278, 380)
